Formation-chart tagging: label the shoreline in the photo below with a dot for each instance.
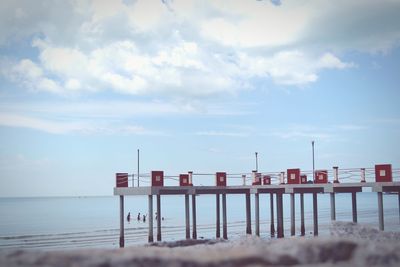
(348, 245)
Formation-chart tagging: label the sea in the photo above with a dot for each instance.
(62, 223)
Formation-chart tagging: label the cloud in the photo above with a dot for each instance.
(189, 49)
(71, 126)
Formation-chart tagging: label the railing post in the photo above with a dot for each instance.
(335, 175)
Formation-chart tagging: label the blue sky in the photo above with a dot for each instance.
(195, 85)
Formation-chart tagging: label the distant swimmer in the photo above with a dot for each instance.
(128, 218)
(138, 216)
(144, 218)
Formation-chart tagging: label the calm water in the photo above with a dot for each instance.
(70, 222)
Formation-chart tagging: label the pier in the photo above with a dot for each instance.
(295, 184)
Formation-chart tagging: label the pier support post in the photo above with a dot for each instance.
(257, 212)
(248, 214)
(194, 233)
(315, 213)
(333, 207)
(302, 226)
(150, 218)
(292, 215)
(121, 222)
(399, 204)
(218, 230)
(354, 205)
(187, 216)
(380, 211)
(279, 213)
(271, 199)
(159, 217)
(224, 219)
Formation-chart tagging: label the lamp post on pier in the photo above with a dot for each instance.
(256, 161)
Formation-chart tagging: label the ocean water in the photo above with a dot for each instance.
(73, 222)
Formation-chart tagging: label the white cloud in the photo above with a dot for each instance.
(190, 48)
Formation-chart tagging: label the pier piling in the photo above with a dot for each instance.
(257, 212)
(271, 199)
(150, 218)
(292, 215)
(302, 226)
(121, 222)
(217, 223)
(248, 214)
(279, 214)
(333, 207)
(187, 216)
(158, 217)
(380, 211)
(194, 233)
(224, 218)
(315, 213)
(354, 206)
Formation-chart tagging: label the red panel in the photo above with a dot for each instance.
(293, 176)
(258, 179)
(303, 179)
(184, 180)
(157, 178)
(121, 179)
(266, 180)
(321, 177)
(220, 178)
(383, 173)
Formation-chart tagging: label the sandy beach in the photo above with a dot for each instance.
(349, 245)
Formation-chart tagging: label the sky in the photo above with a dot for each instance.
(195, 85)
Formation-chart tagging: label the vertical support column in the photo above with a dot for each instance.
(354, 205)
(121, 222)
(399, 205)
(279, 211)
(271, 198)
(187, 216)
(218, 230)
(380, 211)
(257, 212)
(315, 213)
(248, 214)
(224, 219)
(150, 219)
(302, 227)
(159, 217)
(292, 215)
(194, 233)
(333, 207)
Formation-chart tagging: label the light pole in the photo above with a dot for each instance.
(313, 162)
(256, 161)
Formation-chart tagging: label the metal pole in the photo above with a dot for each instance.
(380, 211)
(333, 207)
(158, 217)
(257, 213)
(354, 206)
(313, 163)
(292, 215)
(194, 216)
(224, 219)
(218, 233)
(187, 214)
(150, 218)
(399, 204)
(121, 222)
(302, 227)
(315, 213)
(248, 214)
(138, 168)
(271, 198)
(256, 162)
